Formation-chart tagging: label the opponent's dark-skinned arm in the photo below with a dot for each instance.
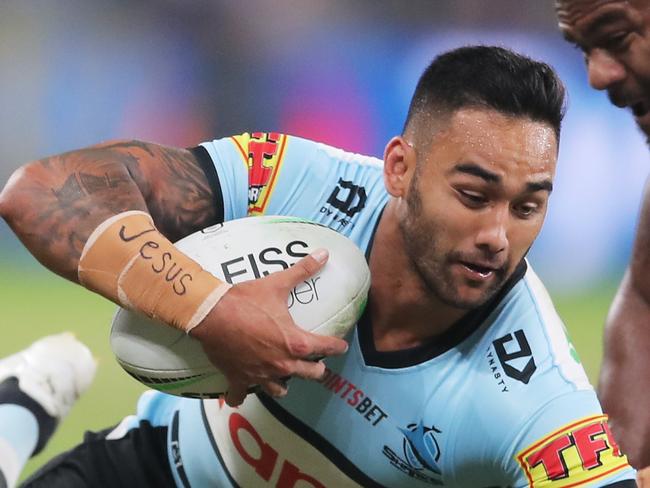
(624, 386)
(54, 204)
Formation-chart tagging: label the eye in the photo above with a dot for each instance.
(616, 42)
(526, 210)
(472, 198)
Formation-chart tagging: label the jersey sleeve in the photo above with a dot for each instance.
(230, 159)
(270, 173)
(568, 443)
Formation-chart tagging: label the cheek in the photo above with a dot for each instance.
(638, 59)
(523, 236)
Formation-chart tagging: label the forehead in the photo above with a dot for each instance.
(489, 137)
(573, 14)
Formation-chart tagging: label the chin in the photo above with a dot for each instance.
(473, 301)
(467, 299)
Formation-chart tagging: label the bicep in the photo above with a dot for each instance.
(180, 190)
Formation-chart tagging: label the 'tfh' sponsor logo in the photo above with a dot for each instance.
(421, 454)
(573, 455)
(262, 148)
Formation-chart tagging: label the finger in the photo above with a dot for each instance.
(303, 269)
(236, 394)
(310, 370)
(275, 388)
(322, 346)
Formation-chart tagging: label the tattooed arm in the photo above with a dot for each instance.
(54, 204)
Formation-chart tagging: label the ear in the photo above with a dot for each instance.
(399, 166)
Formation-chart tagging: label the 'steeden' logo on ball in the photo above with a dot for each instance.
(263, 153)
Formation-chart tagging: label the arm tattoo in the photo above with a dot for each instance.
(187, 204)
(79, 185)
(65, 197)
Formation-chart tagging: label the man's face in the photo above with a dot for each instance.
(615, 38)
(477, 202)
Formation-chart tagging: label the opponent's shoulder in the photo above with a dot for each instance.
(639, 276)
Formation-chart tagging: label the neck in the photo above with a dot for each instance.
(404, 312)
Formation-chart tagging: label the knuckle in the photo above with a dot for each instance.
(283, 368)
(309, 265)
(299, 347)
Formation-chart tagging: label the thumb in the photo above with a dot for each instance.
(303, 269)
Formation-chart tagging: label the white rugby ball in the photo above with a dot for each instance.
(329, 303)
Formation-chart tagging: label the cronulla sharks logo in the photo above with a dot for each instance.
(420, 454)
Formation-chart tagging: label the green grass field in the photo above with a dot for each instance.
(37, 303)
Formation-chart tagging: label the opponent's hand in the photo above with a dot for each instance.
(643, 477)
(250, 335)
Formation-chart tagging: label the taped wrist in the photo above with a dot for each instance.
(129, 262)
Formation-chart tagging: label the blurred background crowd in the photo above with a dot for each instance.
(77, 72)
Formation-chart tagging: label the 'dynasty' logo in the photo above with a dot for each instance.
(420, 454)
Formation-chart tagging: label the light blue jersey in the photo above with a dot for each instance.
(500, 400)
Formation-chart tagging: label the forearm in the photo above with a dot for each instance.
(624, 386)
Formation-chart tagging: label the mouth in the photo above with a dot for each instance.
(478, 271)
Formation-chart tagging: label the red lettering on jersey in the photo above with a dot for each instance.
(337, 383)
(552, 459)
(356, 398)
(612, 442)
(258, 152)
(268, 456)
(589, 448)
(353, 396)
(573, 455)
(348, 390)
(291, 475)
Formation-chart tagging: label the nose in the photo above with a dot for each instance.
(493, 234)
(604, 70)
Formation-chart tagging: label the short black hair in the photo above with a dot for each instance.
(489, 77)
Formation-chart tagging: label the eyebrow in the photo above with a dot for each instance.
(595, 25)
(604, 19)
(544, 185)
(476, 170)
(490, 177)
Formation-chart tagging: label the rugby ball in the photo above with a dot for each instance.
(329, 303)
